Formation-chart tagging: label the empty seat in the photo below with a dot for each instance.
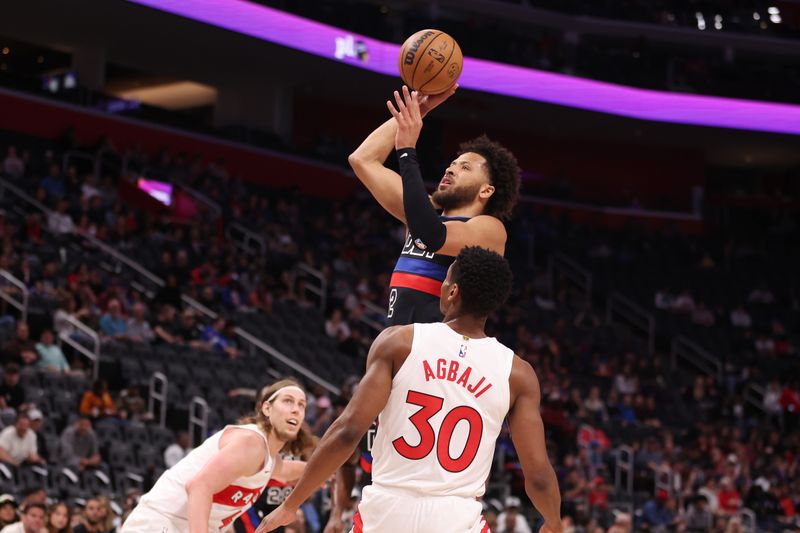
(120, 455)
(96, 481)
(136, 434)
(107, 431)
(63, 402)
(161, 437)
(52, 381)
(148, 456)
(126, 479)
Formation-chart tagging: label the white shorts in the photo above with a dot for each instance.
(383, 511)
(144, 519)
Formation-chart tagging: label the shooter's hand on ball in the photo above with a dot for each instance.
(277, 518)
(408, 117)
(427, 102)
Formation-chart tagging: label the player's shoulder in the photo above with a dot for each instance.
(492, 229)
(242, 436)
(487, 221)
(396, 336)
(523, 377)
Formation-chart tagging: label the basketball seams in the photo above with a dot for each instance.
(445, 64)
(421, 56)
(400, 60)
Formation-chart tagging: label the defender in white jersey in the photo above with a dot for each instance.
(223, 477)
(442, 392)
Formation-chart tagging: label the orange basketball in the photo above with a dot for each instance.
(430, 61)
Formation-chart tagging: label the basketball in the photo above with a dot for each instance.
(430, 61)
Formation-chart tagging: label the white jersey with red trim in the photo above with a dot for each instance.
(168, 495)
(437, 433)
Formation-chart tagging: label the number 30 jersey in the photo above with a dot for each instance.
(437, 433)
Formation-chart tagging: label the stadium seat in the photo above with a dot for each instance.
(148, 456)
(136, 434)
(120, 455)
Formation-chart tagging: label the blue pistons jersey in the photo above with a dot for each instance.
(417, 281)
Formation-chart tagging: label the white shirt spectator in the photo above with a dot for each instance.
(178, 449)
(761, 295)
(740, 318)
(683, 303)
(18, 448)
(765, 346)
(336, 327)
(174, 453)
(60, 222)
(13, 165)
(626, 384)
(510, 521)
(664, 300)
(16, 527)
(772, 398)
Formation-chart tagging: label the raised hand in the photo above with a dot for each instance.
(427, 102)
(408, 117)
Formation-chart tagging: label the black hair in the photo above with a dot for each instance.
(483, 278)
(34, 505)
(504, 174)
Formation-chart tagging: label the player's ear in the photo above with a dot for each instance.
(265, 408)
(455, 291)
(486, 191)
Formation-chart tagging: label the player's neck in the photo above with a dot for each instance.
(274, 444)
(469, 211)
(467, 325)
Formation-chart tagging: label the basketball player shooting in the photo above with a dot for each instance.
(223, 477)
(441, 392)
(478, 190)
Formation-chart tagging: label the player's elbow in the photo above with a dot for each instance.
(356, 160)
(346, 432)
(543, 478)
(192, 486)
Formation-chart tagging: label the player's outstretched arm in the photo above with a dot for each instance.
(368, 160)
(338, 443)
(421, 218)
(288, 471)
(368, 164)
(527, 433)
(241, 453)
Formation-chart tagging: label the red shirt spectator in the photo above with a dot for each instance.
(790, 399)
(729, 499)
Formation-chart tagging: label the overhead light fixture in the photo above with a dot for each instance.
(701, 21)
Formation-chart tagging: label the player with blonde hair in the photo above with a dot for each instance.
(223, 477)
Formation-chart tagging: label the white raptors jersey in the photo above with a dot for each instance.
(168, 495)
(437, 433)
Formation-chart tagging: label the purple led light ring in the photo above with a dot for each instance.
(334, 43)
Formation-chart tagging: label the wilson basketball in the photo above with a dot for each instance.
(430, 61)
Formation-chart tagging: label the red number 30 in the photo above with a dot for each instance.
(421, 419)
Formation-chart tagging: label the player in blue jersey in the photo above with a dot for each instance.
(476, 193)
(478, 190)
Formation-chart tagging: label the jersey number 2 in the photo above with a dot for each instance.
(422, 422)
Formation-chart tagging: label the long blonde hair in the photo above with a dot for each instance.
(108, 521)
(304, 438)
